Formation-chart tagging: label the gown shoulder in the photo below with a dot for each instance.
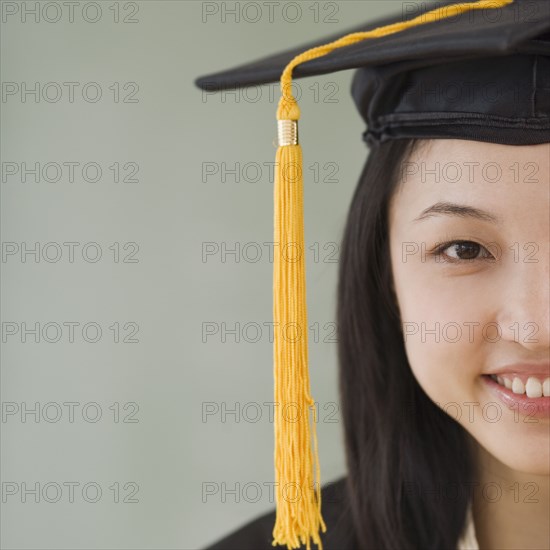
(257, 534)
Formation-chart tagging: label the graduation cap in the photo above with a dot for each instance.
(471, 70)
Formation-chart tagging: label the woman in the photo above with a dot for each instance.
(433, 290)
(443, 298)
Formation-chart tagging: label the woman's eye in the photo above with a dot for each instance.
(461, 251)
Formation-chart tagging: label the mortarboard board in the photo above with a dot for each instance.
(492, 60)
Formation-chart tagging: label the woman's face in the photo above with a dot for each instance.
(479, 307)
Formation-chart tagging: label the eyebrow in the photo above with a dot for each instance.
(459, 210)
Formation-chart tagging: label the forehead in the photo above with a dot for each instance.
(502, 178)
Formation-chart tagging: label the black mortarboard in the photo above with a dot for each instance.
(421, 82)
(472, 70)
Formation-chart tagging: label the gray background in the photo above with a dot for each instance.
(152, 278)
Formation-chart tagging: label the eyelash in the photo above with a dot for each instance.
(438, 252)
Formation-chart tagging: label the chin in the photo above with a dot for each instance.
(524, 450)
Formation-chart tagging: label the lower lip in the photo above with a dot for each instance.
(534, 408)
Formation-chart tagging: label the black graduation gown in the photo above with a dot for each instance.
(257, 534)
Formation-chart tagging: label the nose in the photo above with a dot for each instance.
(525, 312)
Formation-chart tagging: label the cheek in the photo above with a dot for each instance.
(441, 340)
(447, 358)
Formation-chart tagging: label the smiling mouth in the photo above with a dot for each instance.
(531, 386)
(528, 395)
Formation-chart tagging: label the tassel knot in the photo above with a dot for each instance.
(288, 108)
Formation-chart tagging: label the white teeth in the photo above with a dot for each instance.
(533, 388)
(517, 386)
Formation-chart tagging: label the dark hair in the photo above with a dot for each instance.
(402, 450)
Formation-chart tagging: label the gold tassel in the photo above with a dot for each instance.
(297, 494)
(297, 490)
